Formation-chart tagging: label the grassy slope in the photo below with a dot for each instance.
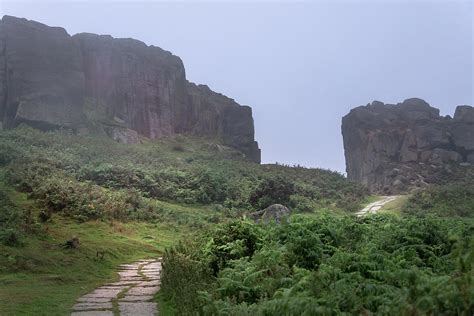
(41, 277)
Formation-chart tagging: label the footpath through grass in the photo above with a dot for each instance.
(42, 277)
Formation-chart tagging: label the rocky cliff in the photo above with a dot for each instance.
(122, 87)
(392, 148)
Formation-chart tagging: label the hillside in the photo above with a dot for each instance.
(129, 202)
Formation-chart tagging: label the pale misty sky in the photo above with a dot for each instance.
(301, 66)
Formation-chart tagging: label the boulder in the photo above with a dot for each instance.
(122, 134)
(464, 113)
(410, 138)
(273, 213)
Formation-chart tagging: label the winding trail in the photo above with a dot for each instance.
(131, 295)
(374, 207)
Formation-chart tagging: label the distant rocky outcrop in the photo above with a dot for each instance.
(49, 79)
(393, 148)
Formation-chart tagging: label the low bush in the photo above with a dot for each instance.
(157, 171)
(10, 221)
(272, 190)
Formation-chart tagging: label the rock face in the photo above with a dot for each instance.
(392, 148)
(49, 79)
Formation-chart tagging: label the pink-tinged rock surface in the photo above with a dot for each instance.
(49, 79)
(41, 77)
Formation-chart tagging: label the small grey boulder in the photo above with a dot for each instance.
(275, 212)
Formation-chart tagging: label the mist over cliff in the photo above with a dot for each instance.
(121, 87)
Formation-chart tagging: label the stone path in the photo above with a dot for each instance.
(374, 207)
(131, 295)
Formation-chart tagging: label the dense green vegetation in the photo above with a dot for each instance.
(326, 264)
(135, 201)
(92, 177)
(10, 219)
(127, 201)
(445, 200)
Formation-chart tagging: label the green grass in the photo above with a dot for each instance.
(43, 278)
(165, 307)
(371, 199)
(449, 200)
(396, 206)
(129, 202)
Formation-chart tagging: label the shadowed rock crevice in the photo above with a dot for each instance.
(49, 79)
(392, 148)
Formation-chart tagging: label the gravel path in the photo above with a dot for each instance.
(374, 207)
(131, 295)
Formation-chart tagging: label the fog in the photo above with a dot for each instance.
(301, 66)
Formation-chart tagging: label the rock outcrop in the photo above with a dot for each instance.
(393, 148)
(49, 79)
(274, 213)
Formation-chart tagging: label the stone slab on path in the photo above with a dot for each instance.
(138, 309)
(93, 313)
(136, 298)
(374, 207)
(92, 306)
(131, 295)
(105, 293)
(145, 290)
(149, 283)
(94, 300)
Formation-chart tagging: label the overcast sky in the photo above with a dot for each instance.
(300, 66)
